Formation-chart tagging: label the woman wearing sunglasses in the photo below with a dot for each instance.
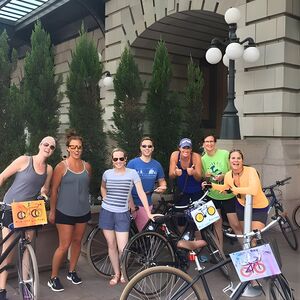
(32, 177)
(69, 208)
(150, 172)
(114, 216)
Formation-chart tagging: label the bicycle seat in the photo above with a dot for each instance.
(191, 245)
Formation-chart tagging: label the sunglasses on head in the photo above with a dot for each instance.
(73, 147)
(118, 158)
(147, 146)
(52, 147)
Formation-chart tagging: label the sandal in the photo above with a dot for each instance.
(115, 279)
(122, 279)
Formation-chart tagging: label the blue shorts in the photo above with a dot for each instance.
(119, 222)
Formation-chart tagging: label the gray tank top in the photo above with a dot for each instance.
(27, 184)
(73, 194)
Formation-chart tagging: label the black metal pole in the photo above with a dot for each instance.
(230, 126)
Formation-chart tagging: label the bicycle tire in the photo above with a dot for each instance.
(145, 250)
(161, 282)
(277, 288)
(288, 232)
(296, 216)
(28, 272)
(97, 253)
(215, 251)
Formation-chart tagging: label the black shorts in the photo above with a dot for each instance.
(7, 218)
(258, 214)
(61, 218)
(226, 206)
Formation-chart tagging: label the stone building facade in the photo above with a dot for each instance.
(267, 91)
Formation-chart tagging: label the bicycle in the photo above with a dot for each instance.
(27, 267)
(296, 216)
(148, 249)
(97, 251)
(285, 224)
(165, 282)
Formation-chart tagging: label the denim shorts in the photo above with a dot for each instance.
(119, 222)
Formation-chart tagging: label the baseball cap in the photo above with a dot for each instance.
(185, 143)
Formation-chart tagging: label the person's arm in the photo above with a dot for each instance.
(174, 171)
(16, 166)
(103, 189)
(195, 169)
(253, 186)
(46, 187)
(88, 168)
(223, 187)
(162, 186)
(55, 184)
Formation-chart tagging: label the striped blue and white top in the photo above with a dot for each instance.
(118, 189)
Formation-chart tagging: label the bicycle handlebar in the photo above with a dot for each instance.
(255, 232)
(193, 204)
(278, 183)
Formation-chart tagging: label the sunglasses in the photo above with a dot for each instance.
(186, 147)
(118, 158)
(73, 147)
(147, 146)
(52, 147)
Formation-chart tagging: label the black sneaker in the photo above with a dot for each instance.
(72, 276)
(3, 294)
(55, 284)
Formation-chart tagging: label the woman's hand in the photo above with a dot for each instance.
(190, 170)
(153, 216)
(160, 189)
(178, 172)
(51, 217)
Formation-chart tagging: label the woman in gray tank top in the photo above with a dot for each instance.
(69, 208)
(32, 177)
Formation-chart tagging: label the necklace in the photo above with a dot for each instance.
(238, 174)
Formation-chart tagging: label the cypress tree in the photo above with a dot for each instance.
(42, 98)
(194, 105)
(127, 116)
(85, 111)
(11, 110)
(163, 107)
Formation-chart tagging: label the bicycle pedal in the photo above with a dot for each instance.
(228, 289)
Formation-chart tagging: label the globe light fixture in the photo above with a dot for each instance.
(233, 49)
(213, 55)
(107, 81)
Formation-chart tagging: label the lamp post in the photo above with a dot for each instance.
(233, 49)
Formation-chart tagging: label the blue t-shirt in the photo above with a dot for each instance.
(118, 188)
(149, 173)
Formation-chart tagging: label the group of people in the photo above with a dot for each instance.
(126, 186)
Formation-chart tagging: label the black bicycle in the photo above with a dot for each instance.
(165, 282)
(170, 248)
(27, 267)
(296, 216)
(285, 224)
(97, 251)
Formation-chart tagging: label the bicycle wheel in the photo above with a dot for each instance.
(215, 251)
(28, 272)
(288, 232)
(145, 250)
(296, 216)
(97, 253)
(278, 288)
(162, 283)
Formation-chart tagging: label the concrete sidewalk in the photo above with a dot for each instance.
(96, 287)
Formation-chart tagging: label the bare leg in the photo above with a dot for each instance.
(218, 229)
(235, 225)
(78, 233)
(110, 236)
(65, 233)
(8, 260)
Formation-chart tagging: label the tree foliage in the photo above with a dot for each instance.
(194, 105)
(128, 117)
(85, 111)
(41, 91)
(11, 109)
(163, 107)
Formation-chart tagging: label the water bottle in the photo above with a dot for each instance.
(187, 236)
(192, 256)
